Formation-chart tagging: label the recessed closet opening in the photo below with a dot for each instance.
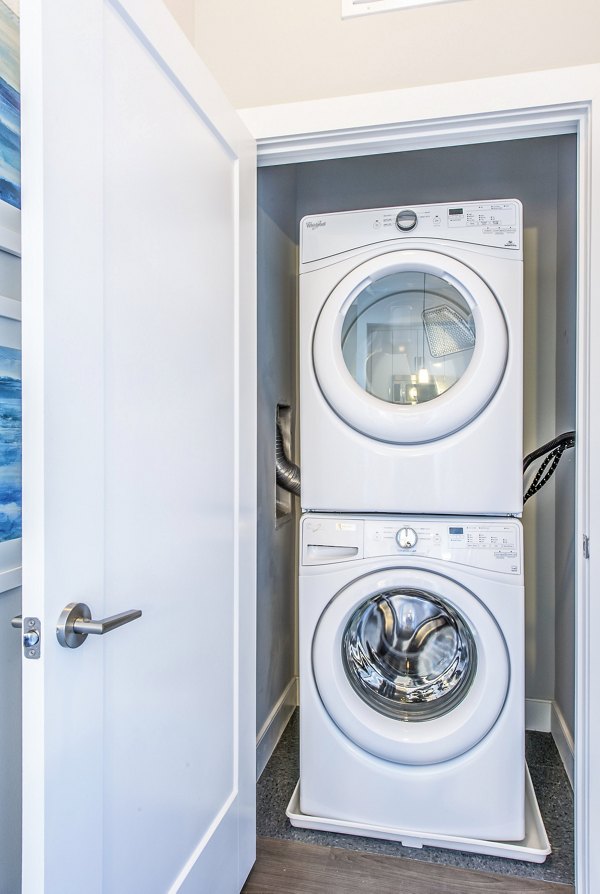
(542, 174)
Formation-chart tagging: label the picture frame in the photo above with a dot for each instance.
(10, 294)
(10, 443)
(10, 112)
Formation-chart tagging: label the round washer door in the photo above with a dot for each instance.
(410, 665)
(410, 346)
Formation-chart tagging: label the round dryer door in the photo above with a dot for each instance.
(410, 347)
(411, 666)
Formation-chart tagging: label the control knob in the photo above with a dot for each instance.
(406, 538)
(406, 220)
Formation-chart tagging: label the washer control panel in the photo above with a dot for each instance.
(492, 545)
(496, 224)
(489, 545)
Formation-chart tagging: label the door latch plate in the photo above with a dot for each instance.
(32, 637)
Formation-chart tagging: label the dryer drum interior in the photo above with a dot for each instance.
(409, 655)
(408, 337)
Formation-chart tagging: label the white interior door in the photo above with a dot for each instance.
(139, 456)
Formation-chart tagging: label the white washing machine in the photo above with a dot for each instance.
(411, 359)
(412, 674)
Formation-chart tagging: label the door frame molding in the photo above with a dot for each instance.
(521, 106)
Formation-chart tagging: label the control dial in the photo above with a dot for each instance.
(406, 220)
(406, 538)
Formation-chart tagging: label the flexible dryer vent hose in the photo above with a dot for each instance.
(287, 472)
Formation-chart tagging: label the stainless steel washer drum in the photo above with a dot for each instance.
(409, 654)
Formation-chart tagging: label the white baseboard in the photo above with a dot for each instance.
(273, 727)
(538, 715)
(564, 740)
(546, 717)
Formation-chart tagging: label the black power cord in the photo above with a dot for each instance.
(552, 452)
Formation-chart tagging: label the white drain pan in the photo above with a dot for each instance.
(534, 848)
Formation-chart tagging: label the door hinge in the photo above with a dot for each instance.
(32, 635)
(586, 546)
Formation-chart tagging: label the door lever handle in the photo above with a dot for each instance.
(75, 624)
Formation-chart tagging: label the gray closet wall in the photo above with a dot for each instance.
(276, 560)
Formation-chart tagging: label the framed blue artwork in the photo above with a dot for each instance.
(10, 305)
(10, 443)
(10, 108)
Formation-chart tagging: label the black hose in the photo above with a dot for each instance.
(552, 452)
(568, 438)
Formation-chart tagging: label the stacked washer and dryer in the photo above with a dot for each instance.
(411, 597)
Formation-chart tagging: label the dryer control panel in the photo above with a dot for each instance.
(497, 224)
(493, 545)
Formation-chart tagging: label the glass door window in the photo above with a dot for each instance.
(409, 655)
(408, 337)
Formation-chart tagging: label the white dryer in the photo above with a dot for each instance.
(412, 674)
(411, 359)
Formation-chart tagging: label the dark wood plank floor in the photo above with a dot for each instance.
(292, 867)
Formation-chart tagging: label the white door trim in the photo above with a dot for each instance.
(534, 104)
(510, 107)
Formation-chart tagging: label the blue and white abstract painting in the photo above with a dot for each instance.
(10, 108)
(10, 444)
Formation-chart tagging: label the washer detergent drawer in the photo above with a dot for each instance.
(326, 541)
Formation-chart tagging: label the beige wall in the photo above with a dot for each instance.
(185, 13)
(276, 51)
